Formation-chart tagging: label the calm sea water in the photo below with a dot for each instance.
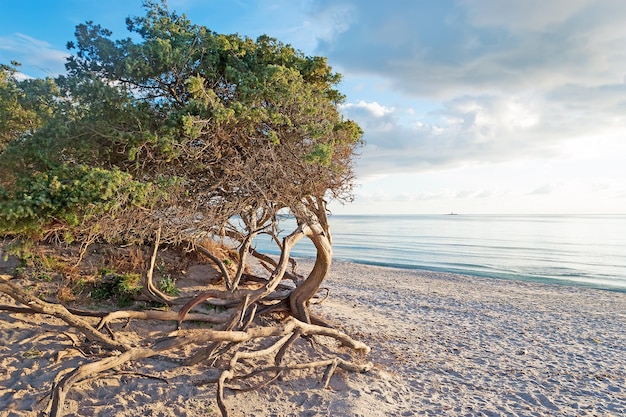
(587, 250)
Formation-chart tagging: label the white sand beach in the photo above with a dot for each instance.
(442, 344)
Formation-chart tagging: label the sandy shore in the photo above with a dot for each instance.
(443, 344)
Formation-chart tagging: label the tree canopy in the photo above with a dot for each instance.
(223, 124)
(24, 106)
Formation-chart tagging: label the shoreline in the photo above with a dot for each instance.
(502, 275)
(442, 344)
(572, 250)
(505, 276)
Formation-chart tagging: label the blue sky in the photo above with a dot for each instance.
(471, 106)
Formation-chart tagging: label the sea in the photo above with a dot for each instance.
(580, 250)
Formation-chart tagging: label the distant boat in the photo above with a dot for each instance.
(452, 213)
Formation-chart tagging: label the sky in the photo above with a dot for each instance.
(468, 106)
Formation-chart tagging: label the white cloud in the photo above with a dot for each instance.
(330, 20)
(522, 16)
(35, 55)
(485, 129)
(505, 80)
(373, 108)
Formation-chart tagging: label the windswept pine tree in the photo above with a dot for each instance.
(179, 135)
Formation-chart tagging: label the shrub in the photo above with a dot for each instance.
(122, 288)
(66, 197)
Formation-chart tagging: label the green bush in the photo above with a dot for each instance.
(167, 284)
(67, 195)
(122, 288)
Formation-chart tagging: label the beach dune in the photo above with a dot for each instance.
(442, 344)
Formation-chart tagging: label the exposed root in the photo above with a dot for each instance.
(150, 290)
(287, 333)
(215, 318)
(253, 340)
(59, 311)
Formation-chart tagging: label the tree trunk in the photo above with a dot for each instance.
(299, 298)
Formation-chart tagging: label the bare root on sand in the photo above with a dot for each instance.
(254, 323)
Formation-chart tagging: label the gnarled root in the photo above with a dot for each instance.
(286, 333)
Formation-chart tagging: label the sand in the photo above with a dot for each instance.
(442, 344)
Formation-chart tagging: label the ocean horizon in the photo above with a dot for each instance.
(580, 250)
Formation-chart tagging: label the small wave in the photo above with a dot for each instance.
(571, 250)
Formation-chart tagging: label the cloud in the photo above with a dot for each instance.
(331, 19)
(465, 130)
(446, 194)
(369, 108)
(546, 189)
(522, 16)
(489, 129)
(36, 56)
(440, 48)
(505, 80)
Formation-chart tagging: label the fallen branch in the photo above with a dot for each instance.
(216, 318)
(60, 312)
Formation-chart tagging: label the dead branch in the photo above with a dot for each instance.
(217, 262)
(251, 224)
(213, 297)
(333, 362)
(266, 261)
(60, 312)
(61, 389)
(288, 326)
(216, 318)
(151, 291)
(182, 338)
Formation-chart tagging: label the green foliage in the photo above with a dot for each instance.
(32, 353)
(69, 195)
(24, 105)
(321, 154)
(79, 286)
(121, 288)
(177, 119)
(167, 284)
(22, 249)
(44, 276)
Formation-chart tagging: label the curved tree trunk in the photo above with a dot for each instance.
(299, 298)
(319, 234)
(150, 290)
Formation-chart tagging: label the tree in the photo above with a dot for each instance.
(187, 135)
(24, 105)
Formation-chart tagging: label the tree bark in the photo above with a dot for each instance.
(299, 298)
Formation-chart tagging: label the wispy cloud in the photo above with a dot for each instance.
(36, 56)
(441, 48)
